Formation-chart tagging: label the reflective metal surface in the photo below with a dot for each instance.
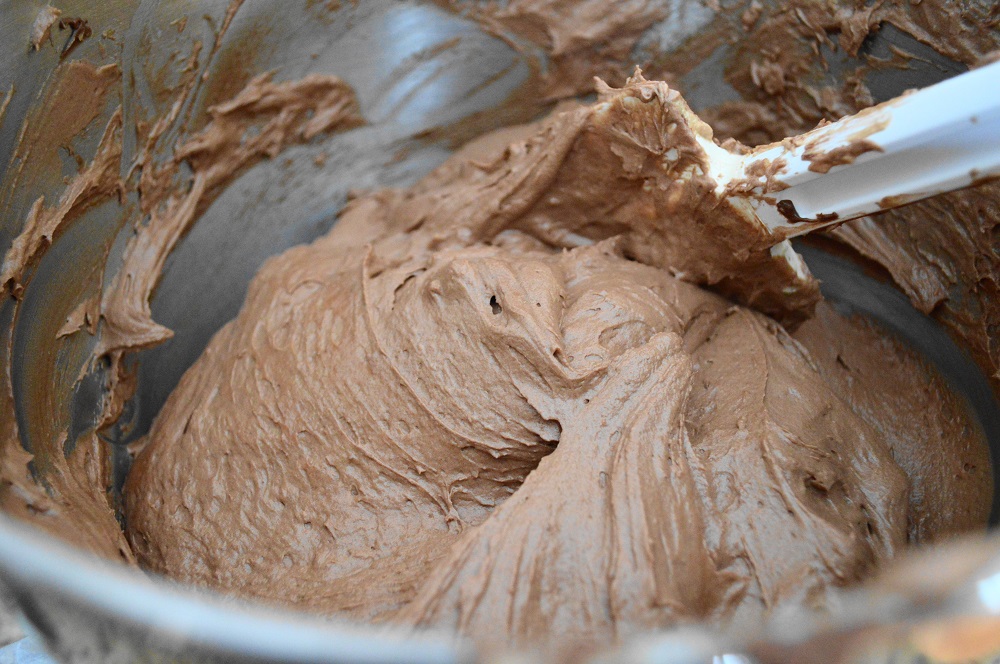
(87, 610)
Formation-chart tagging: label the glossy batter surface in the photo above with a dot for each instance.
(496, 402)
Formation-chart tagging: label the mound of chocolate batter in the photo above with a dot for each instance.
(546, 392)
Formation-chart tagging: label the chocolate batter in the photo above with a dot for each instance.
(496, 403)
(260, 121)
(549, 392)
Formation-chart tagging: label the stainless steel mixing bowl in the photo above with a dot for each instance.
(415, 68)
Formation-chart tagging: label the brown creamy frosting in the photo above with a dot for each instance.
(495, 403)
(535, 396)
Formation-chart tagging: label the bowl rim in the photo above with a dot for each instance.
(35, 560)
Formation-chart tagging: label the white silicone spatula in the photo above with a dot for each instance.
(938, 139)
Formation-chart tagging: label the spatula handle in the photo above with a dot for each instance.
(938, 139)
